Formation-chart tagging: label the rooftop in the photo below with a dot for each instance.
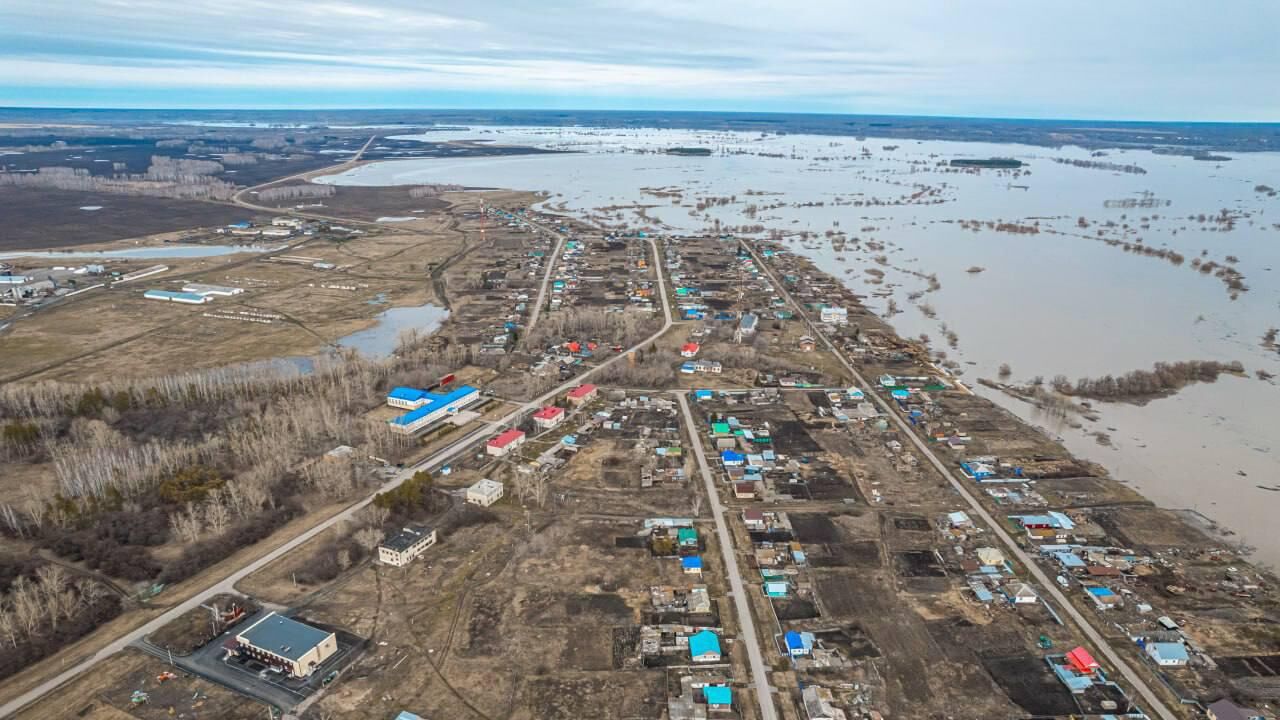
(506, 438)
(284, 637)
(436, 403)
(405, 539)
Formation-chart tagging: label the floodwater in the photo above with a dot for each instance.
(146, 253)
(1060, 301)
(381, 340)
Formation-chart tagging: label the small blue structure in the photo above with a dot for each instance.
(732, 459)
(701, 395)
(406, 715)
(691, 564)
(704, 646)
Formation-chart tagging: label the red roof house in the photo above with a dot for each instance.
(583, 394)
(1082, 662)
(505, 442)
(690, 350)
(549, 416)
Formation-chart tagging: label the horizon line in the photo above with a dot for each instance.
(482, 109)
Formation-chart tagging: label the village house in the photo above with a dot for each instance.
(505, 442)
(834, 315)
(704, 647)
(1167, 654)
(690, 349)
(549, 417)
(1224, 709)
(583, 394)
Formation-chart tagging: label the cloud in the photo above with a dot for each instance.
(985, 57)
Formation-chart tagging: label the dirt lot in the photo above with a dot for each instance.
(197, 627)
(36, 218)
(105, 695)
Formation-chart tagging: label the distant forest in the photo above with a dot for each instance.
(1175, 137)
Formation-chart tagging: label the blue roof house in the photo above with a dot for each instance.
(1167, 654)
(704, 647)
(691, 564)
(732, 459)
(718, 697)
(799, 644)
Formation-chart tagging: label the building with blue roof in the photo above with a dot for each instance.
(1168, 654)
(799, 644)
(178, 297)
(732, 459)
(406, 715)
(718, 697)
(436, 408)
(704, 647)
(1069, 560)
(409, 398)
(691, 564)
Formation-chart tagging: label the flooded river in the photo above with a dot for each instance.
(1065, 299)
(143, 253)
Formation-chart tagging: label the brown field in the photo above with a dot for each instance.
(38, 218)
(105, 693)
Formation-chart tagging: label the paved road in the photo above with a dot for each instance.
(1138, 682)
(227, 584)
(546, 278)
(749, 639)
(238, 198)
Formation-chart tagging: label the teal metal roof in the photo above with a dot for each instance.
(703, 643)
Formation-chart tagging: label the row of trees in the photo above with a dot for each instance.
(296, 192)
(168, 182)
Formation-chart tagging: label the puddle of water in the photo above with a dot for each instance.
(381, 340)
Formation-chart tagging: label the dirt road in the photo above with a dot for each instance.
(747, 627)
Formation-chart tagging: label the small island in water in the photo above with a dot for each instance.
(698, 151)
(994, 163)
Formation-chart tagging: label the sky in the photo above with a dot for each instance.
(1128, 60)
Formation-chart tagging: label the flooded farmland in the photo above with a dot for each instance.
(1077, 263)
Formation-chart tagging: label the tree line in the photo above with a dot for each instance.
(1162, 379)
